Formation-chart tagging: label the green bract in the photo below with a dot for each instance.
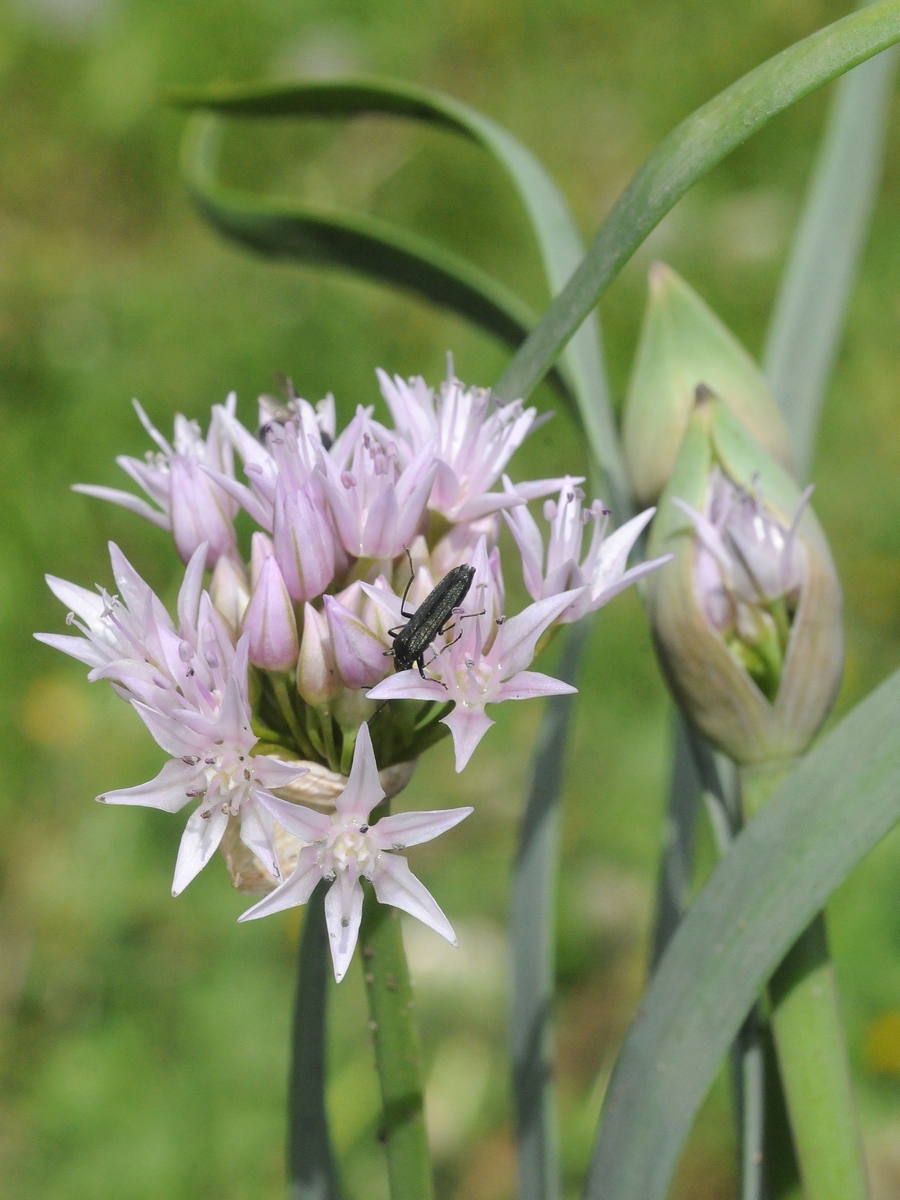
(709, 672)
(683, 343)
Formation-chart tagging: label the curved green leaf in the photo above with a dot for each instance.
(808, 319)
(558, 239)
(686, 155)
(286, 228)
(828, 814)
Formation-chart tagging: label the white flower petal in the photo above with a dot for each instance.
(296, 889)
(170, 732)
(168, 791)
(516, 641)
(412, 828)
(363, 790)
(303, 822)
(257, 833)
(199, 843)
(408, 685)
(343, 913)
(276, 772)
(135, 504)
(528, 685)
(468, 726)
(76, 647)
(395, 884)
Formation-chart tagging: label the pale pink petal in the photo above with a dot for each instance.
(358, 654)
(531, 547)
(168, 791)
(515, 643)
(296, 889)
(257, 833)
(135, 504)
(343, 913)
(276, 772)
(175, 737)
(536, 489)
(468, 726)
(269, 621)
(527, 685)
(408, 685)
(199, 843)
(411, 828)
(84, 603)
(387, 601)
(76, 647)
(363, 790)
(234, 721)
(395, 884)
(191, 587)
(380, 531)
(625, 581)
(304, 823)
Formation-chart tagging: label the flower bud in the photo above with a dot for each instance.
(317, 677)
(358, 653)
(229, 590)
(269, 621)
(682, 344)
(747, 617)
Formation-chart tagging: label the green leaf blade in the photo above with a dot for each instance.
(808, 319)
(830, 812)
(689, 152)
(554, 228)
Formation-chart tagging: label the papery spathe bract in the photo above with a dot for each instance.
(682, 344)
(193, 507)
(747, 618)
(345, 849)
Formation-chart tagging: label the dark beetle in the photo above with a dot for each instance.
(410, 641)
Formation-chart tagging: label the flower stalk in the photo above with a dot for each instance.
(310, 1153)
(397, 1053)
(810, 1044)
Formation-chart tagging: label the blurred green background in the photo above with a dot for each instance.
(143, 1041)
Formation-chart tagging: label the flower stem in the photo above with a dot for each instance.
(310, 1157)
(809, 1042)
(397, 1055)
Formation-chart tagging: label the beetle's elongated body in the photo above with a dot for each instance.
(429, 620)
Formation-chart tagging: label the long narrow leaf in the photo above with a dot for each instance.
(558, 239)
(686, 155)
(287, 228)
(532, 938)
(808, 319)
(828, 814)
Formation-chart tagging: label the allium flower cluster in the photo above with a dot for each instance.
(312, 617)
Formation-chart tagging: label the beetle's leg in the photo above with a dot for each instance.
(412, 576)
(431, 678)
(392, 633)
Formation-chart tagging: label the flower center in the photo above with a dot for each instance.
(351, 844)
